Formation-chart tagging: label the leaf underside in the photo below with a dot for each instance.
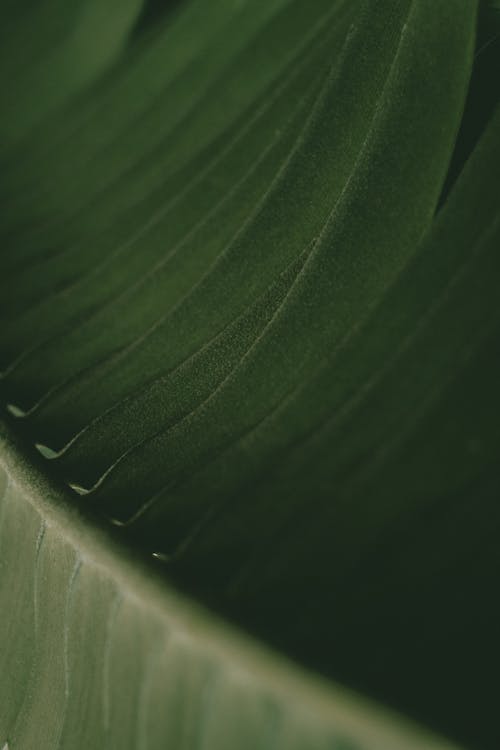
(249, 304)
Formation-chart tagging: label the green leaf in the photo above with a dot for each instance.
(103, 654)
(249, 354)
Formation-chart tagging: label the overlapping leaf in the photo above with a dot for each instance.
(239, 322)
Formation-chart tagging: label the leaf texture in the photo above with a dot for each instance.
(102, 654)
(250, 320)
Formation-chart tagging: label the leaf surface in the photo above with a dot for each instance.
(250, 322)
